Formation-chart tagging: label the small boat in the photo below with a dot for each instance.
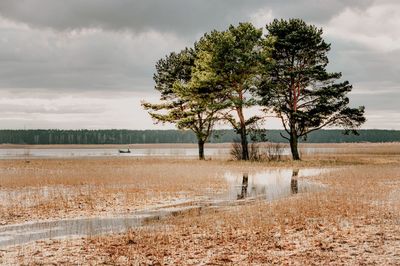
(123, 151)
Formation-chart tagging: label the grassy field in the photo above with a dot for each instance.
(355, 220)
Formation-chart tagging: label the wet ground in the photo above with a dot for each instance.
(264, 185)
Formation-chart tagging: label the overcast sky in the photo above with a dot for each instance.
(89, 63)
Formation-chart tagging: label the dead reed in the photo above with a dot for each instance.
(355, 221)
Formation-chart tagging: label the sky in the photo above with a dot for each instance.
(89, 63)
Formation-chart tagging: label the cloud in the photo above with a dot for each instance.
(60, 59)
(84, 59)
(383, 119)
(76, 110)
(261, 17)
(181, 16)
(366, 48)
(377, 27)
(137, 16)
(360, 64)
(114, 45)
(61, 105)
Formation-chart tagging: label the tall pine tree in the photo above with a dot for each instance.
(234, 57)
(297, 86)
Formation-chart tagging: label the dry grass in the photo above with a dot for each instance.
(55, 188)
(60, 188)
(354, 221)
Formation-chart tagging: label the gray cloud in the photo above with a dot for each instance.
(8, 109)
(378, 101)
(102, 44)
(183, 17)
(361, 65)
(82, 60)
(172, 15)
(102, 49)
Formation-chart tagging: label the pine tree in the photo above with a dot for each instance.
(234, 57)
(186, 98)
(297, 86)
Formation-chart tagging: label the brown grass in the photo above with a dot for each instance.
(59, 188)
(354, 221)
(54, 188)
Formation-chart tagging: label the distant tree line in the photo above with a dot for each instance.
(117, 136)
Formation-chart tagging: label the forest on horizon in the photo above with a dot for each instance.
(123, 136)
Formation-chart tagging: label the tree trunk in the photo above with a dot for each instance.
(243, 133)
(201, 149)
(245, 145)
(293, 146)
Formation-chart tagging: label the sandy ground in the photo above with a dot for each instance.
(354, 222)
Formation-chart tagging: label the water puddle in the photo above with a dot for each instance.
(266, 185)
(32, 231)
(272, 184)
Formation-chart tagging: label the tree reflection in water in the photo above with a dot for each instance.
(245, 184)
(294, 182)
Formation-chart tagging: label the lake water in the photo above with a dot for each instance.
(143, 152)
(137, 152)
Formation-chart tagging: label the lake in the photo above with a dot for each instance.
(25, 153)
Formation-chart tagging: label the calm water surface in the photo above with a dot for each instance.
(138, 152)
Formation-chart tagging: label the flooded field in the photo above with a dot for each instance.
(120, 210)
(267, 185)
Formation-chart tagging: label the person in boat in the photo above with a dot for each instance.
(127, 151)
